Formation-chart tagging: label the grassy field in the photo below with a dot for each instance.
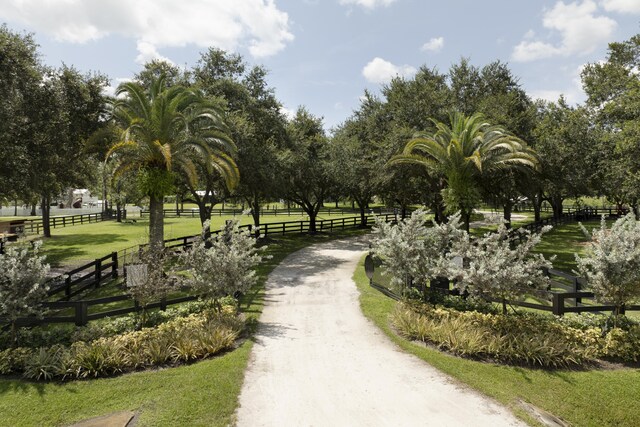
(582, 398)
(201, 394)
(84, 243)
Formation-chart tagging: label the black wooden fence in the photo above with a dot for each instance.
(36, 225)
(91, 275)
(195, 212)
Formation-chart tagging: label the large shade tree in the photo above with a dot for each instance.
(167, 130)
(463, 151)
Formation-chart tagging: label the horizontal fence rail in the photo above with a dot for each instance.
(91, 275)
(195, 212)
(36, 226)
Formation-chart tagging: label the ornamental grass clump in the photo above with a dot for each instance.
(525, 338)
(22, 284)
(611, 265)
(222, 264)
(180, 340)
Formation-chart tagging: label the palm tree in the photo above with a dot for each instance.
(167, 130)
(464, 152)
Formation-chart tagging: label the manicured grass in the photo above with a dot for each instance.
(582, 398)
(201, 394)
(565, 241)
(84, 243)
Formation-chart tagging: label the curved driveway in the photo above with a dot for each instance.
(318, 361)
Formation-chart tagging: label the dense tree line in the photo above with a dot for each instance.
(217, 131)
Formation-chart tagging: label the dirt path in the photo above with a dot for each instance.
(318, 361)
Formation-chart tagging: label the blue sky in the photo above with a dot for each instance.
(324, 53)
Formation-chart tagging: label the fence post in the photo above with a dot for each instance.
(576, 288)
(98, 271)
(558, 303)
(114, 267)
(81, 313)
(163, 304)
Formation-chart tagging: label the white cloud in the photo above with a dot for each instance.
(367, 4)
(381, 71)
(621, 6)
(573, 93)
(111, 89)
(257, 25)
(434, 45)
(288, 113)
(148, 52)
(580, 29)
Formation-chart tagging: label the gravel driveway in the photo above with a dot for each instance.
(318, 361)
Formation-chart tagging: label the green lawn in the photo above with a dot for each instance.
(84, 243)
(582, 398)
(201, 394)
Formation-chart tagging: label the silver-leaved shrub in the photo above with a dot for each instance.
(413, 251)
(22, 282)
(611, 265)
(222, 264)
(147, 282)
(500, 266)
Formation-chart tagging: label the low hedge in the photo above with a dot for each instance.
(179, 340)
(522, 338)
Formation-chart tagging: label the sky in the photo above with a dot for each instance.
(323, 54)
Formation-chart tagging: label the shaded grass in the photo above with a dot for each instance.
(201, 394)
(583, 398)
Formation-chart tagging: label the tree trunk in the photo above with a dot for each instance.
(403, 211)
(466, 221)
(118, 212)
(507, 207)
(46, 224)
(156, 223)
(15, 208)
(556, 204)
(337, 204)
(537, 208)
(255, 213)
(33, 209)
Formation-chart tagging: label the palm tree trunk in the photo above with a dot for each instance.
(156, 223)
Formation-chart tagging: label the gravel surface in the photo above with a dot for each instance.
(318, 361)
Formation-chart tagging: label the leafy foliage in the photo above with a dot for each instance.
(222, 264)
(500, 266)
(22, 282)
(612, 264)
(411, 250)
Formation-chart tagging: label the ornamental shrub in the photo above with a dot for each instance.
(413, 251)
(22, 283)
(611, 266)
(222, 264)
(501, 265)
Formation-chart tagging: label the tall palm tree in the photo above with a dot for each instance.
(167, 130)
(463, 152)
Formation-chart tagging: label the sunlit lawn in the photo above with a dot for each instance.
(84, 243)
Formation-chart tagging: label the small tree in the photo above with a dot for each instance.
(612, 264)
(22, 284)
(147, 281)
(499, 266)
(222, 264)
(412, 250)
